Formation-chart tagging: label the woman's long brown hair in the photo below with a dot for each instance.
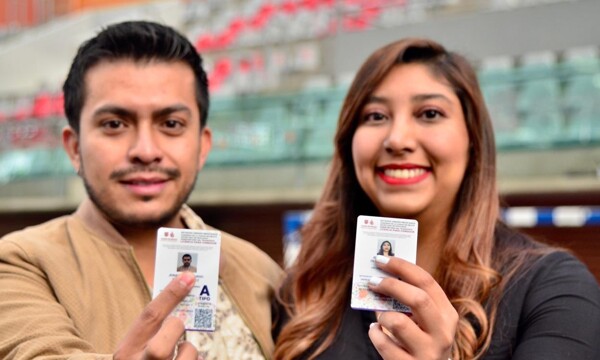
(318, 286)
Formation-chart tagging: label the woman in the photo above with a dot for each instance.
(386, 249)
(414, 140)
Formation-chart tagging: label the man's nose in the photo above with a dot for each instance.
(145, 148)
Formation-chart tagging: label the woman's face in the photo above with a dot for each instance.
(410, 150)
(386, 247)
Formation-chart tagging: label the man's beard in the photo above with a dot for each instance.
(122, 219)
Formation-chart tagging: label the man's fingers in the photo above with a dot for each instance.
(163, 344)
(148, 323)
(187, 351)
(172, 295)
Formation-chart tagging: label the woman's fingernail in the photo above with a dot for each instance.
(374, 280)
(382, 259)
(186, 279)
(372, 325)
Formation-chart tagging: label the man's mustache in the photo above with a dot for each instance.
(171, 173)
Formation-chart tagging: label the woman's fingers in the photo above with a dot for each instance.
(385, 345)
(431, 310)
(412, 274)
(403, 330)
(424, 310)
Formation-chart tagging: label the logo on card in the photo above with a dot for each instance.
(368, 224)
(168, 236)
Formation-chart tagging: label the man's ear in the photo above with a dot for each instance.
(70, 140)
(205, 146)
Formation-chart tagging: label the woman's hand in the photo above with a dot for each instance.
(428, 333)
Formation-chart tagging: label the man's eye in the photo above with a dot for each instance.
(112, 124)
(173, 124)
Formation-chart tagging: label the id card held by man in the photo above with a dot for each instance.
(195, 251)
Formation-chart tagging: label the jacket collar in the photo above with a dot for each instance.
(94, 220)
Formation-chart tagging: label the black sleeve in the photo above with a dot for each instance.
(560, 314)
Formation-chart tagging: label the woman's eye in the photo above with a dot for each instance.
(374, 116)
(431, 114)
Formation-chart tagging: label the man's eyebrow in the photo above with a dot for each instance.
(113, 110)
(123, 112)
(171, 109)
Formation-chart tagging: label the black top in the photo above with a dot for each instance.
(550, 311)
(352, 341)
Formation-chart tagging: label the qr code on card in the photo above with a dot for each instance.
(203, 318)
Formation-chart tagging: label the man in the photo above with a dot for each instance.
(78, 287)
(186, 260)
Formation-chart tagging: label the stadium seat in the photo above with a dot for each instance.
(320, 135)
(582, 105)
(540, 112)
(539, 102)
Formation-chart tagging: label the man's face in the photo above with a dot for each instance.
(140, 145)
(187, 261)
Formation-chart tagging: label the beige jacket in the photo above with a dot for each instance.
(70, 288)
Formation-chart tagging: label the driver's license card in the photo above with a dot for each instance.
(380, 236)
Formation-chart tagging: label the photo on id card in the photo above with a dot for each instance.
(198, 252)
(380, 236)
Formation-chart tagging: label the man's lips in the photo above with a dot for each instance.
(143, 180)
(145, 185)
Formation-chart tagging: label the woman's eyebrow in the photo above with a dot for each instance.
(434, 96)
(374, 99)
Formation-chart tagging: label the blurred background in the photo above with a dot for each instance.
(278, 71)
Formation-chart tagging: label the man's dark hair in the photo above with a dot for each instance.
(139, 41)
(186, 255)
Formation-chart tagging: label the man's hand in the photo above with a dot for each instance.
(155, 334)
